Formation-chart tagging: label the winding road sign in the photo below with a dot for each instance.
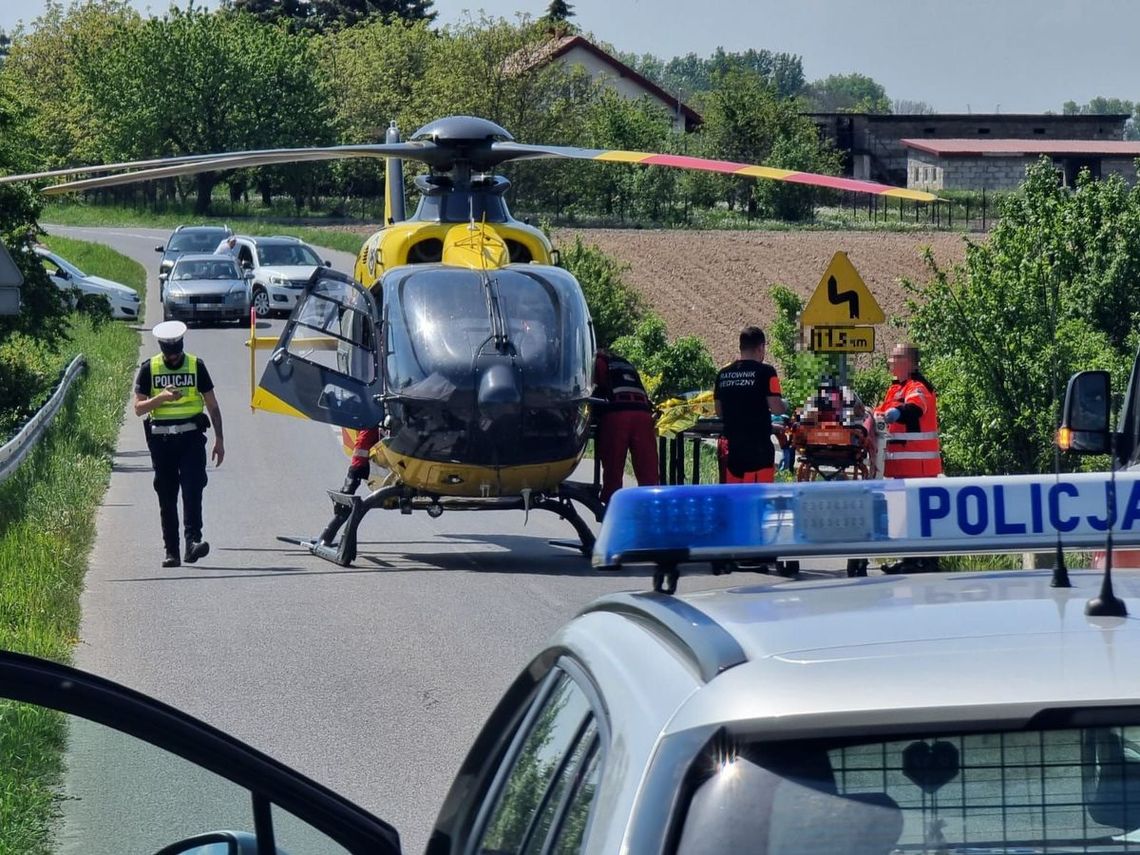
(841, 298)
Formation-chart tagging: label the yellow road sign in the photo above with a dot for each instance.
(841, 298)
(842, 339)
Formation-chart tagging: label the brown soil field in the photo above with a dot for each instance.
(712, 283)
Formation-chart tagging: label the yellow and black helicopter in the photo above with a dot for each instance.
(458, 335)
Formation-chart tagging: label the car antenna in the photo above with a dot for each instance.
(1060, 571)
(1107, 604)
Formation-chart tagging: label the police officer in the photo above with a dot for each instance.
(747, 395)
(173, 390)
(625, 423)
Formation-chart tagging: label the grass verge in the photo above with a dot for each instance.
(47, 526)
(74, 214)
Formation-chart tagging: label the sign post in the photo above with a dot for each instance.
(841, 313)
(10, 281)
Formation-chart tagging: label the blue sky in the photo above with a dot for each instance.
(976, 55)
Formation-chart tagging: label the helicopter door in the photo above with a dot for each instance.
(325, 366)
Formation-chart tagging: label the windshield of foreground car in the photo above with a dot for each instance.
(286, 255)
(1072, 790)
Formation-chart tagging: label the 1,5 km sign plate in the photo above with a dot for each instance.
(842, 339)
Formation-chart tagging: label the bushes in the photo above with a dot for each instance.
(28, 371)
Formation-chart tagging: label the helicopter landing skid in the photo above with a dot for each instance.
(350, 509)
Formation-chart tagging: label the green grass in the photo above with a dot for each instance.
(47, 527)
(112, 216)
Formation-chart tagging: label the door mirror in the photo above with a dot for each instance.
(214, 843)
(328, 264)
(1085, 425)
(160, 249)
(162, 277)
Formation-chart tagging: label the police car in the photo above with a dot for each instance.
(948, 713)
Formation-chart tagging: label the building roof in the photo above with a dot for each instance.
(1024, 147)
(561, 45)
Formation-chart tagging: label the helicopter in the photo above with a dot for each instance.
(458, 340)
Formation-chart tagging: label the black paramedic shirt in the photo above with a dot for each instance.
(742, 389)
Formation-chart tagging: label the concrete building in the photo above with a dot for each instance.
(873, 145)
(999, 164)
(575, 50)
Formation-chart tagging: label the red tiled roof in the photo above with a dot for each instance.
(1024, 147)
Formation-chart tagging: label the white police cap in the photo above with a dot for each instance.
(169, 331)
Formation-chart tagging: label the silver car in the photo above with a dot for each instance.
(122, 300)
(938, 713)
(205, 288)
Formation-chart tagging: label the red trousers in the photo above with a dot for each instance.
(621, 431)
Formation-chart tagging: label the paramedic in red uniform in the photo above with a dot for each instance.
(625, 423)
(747, 394)
(910, 409)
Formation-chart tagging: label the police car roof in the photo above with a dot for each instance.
(898, 652)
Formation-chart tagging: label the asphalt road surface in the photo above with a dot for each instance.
(372, 679)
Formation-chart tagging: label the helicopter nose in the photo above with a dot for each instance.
(498, 388)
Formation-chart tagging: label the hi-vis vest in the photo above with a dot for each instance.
(912, 454)
(185, 378)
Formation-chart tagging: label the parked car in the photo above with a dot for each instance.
(956, 712)
(204, 287)
(280, 266)
(190, 239)
(122, 299)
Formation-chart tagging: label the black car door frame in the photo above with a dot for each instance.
(28, 679)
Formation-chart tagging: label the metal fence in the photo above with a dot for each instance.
(968, 213)
(13, 453)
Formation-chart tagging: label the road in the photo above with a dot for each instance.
(372, 679)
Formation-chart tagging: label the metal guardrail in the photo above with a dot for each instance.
(13, 453)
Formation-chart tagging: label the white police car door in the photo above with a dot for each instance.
(326, 365)
(139, 776)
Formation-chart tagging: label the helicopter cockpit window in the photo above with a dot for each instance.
(463, 207)
(333, 329)
(441, 320)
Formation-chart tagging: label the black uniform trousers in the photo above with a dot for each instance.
(179, 462)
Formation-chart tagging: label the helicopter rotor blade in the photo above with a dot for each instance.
(505, 151)
(145, 170)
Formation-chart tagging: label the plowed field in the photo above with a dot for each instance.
(711, 283)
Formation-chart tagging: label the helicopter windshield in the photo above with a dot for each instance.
(332, 329)
(460, 207)
(441, 319)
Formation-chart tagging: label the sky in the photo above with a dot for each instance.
(1008, 56)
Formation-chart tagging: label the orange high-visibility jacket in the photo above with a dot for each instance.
(911, 453)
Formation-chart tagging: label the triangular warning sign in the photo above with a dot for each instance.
(841, 298)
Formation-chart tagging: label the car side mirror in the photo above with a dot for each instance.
(63, 274)
(247, 272)
(162, 277)
(328, 264)
(1085, 424)
(160, 249)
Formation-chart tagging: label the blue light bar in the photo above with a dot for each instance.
(918, 516)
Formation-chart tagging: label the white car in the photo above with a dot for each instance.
(123, 300)
(280, 265)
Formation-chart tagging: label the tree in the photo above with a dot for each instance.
(214, 83)
(558, 11)
(693, 76)
(297, 14)
(348, 13)
(847, 93)
(746, 122)
(1052, 291)
(903, 107)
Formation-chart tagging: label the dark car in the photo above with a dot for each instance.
(190, 239)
